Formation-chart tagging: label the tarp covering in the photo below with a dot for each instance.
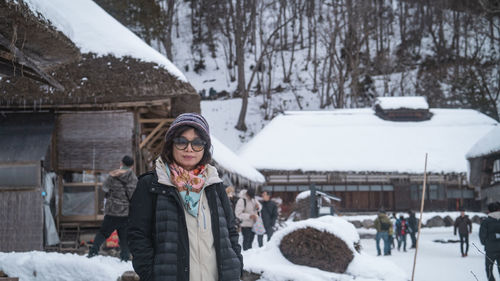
(25, 137)
(51, 236)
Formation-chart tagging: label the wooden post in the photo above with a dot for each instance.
(420, 220)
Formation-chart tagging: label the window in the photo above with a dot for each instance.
(267, 188)
(305, 187)
(433, 192)
(388, 188)
(339, 187)
(352, 188)
(328, 187)
(364, 188)
(495, 177)
(278, 188)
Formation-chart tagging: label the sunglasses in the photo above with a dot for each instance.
(197, 144)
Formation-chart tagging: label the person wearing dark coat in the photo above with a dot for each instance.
(269, 213)
(464, 226)
(181, 223)
(489, 235)
(118, 188)
(412, 228)
(401, 231)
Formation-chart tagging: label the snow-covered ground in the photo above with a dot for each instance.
(435, 261)
(438, 261)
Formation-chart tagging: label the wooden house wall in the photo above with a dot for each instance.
(370, 191)
(94, 140)
(21, 217)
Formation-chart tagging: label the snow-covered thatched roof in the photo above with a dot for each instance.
(392, 103)
(114, 65)
(93, 30)
(232, 163)
(356, 140)
(488, 144)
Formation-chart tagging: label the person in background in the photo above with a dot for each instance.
(489, 235)
(233, 199)
(464, 226)
(392, 234)
(247, 209)
(269, 215)
(118, 188)
(181, 222)
(412, 228)
(401, 231)
(383, 226)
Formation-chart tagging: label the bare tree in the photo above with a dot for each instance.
(166, 36)
(242, 24)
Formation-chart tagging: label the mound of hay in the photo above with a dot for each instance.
(314, 248)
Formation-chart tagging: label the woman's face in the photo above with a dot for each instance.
(188, 158)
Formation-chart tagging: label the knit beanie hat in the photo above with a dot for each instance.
(193, 120)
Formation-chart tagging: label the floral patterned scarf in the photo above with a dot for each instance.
(190, 185)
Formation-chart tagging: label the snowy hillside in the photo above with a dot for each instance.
(321, 56)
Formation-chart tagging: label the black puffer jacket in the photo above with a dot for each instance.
(489, 233)
(269, 214)
(158, 237)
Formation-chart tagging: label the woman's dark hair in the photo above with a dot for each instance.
(168, 147)
(251, 192)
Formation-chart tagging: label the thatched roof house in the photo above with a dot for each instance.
(78, 90)
(370, 161)
(484, 163)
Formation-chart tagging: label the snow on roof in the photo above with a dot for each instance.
(233, 163)
(307, 193)
(490, 143)
(357, 140)
(93, 30)
(388, 103)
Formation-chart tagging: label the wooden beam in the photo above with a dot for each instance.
(155, 120)
(151, 135)
(27, 61)
(160, 134)
(94, 105)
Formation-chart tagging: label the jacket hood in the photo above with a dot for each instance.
(495, 215)
(242, 193)
(122, 174)
(163, 177)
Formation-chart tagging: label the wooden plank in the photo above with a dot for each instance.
(21, 217)
(75, 184)
(155, 120)
(160, 134)
(27, 61)
(152, 134)
(88, 218)
(96, 105)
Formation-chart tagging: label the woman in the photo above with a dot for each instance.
(181, 223)
(247, 211)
